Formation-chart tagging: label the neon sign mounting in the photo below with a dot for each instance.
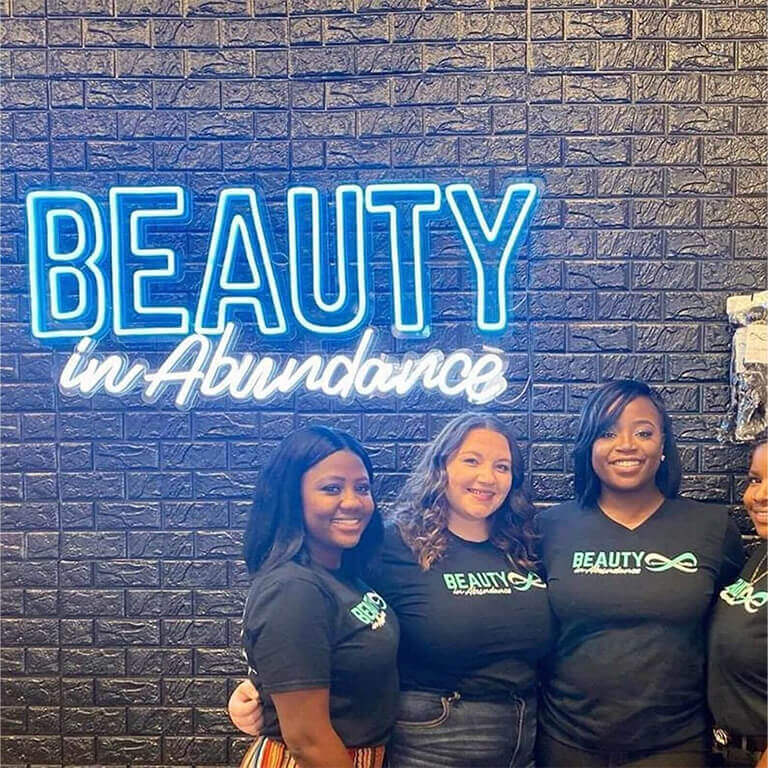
(91, 273)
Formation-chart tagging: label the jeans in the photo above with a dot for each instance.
(447, 731)
(551, 753)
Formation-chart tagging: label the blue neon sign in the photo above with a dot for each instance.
(79, 274)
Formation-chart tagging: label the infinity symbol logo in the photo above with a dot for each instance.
(524, 583)
(685, 562)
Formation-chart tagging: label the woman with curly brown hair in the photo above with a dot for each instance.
(461, 572)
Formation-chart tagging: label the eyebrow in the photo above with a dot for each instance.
(341, 479)
(481, 456)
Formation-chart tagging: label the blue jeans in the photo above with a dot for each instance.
(434, 731)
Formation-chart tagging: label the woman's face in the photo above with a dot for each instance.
(627, 455)
(479, 475)
(337, 501)
(756, 494)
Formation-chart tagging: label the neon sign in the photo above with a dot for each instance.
(91, 273)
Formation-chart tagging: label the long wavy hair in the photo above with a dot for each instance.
(421, 511)
(275, 532)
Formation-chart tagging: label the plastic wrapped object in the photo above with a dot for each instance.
(747, 417)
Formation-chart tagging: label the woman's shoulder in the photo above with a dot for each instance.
(286, 575)
(701, 511)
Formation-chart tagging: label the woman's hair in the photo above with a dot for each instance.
(421, 511)
(756, 443)
(600, 411)
(275, 532)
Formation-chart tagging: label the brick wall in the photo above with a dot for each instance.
(644, 122)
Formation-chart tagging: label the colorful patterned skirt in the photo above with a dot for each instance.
(268, 753)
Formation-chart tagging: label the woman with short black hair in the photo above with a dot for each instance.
(321, 645)
(632, 573)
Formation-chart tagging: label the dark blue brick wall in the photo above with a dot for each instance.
(645, 125)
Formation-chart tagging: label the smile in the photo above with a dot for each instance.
(347, 522)
(626, 463)
(483, 495)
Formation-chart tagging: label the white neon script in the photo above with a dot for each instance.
(197, 367)
(78, 275)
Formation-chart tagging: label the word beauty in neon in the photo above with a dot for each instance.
(84, 264)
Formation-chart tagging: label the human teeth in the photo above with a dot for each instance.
(627, 463)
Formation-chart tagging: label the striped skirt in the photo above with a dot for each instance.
(268, 753)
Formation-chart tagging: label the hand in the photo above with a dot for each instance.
(245, 709)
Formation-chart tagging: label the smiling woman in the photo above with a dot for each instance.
(738, 640)
(632, 572)
(320, 643)
(461, 570)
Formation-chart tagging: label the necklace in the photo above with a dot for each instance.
(756, 578)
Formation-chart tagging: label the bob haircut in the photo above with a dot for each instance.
(275, 532)
(421, 511)
(601, 410)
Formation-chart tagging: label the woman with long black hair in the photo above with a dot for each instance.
(321, 645)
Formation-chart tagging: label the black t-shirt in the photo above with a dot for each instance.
(473, 623)
(628, 669)
(306, 627)
(738, 651)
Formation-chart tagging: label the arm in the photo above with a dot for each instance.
(763, 761)
(305, 725)
(245, 709)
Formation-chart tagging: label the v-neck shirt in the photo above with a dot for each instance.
(632, 605)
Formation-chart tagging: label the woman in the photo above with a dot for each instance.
(632, 573)
(737, 641)
(321, 645)
(460, 571)
(459, 567)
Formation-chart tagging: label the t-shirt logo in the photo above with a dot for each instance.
(371, 610)
(477, 583)
(743, 593)
(631, 563)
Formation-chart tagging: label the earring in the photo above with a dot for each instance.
(663, 457)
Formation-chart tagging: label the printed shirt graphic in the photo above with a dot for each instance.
(631, 563)
(306, 627)
(479, 583)
(632, 607)
(473, 622)
(738, 649)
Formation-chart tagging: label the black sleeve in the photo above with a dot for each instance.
(287, 636)
(733, 555)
